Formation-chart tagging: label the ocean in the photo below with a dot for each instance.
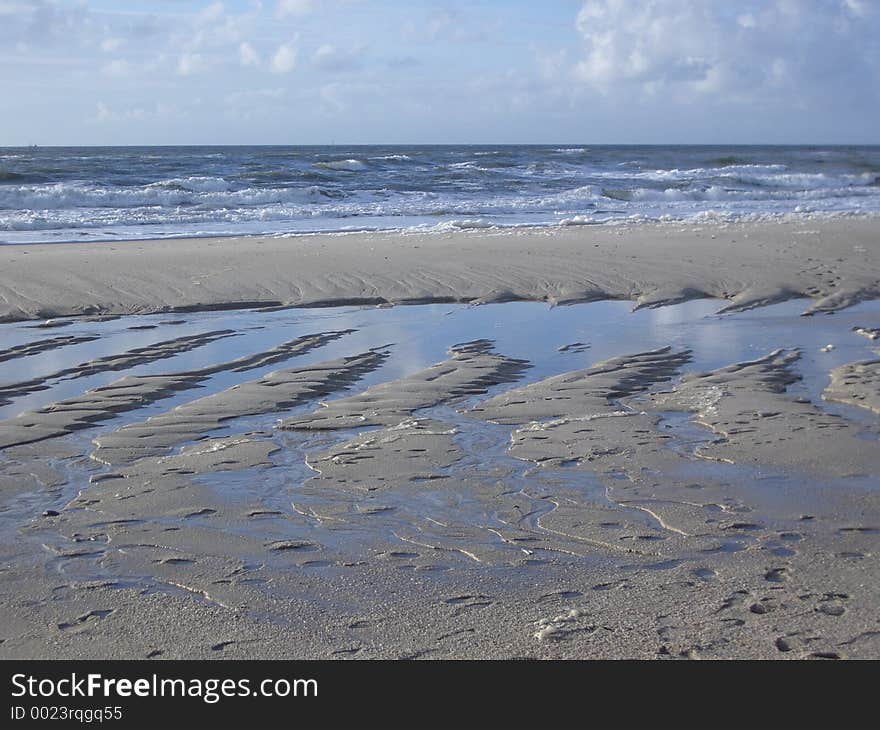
(55, 194)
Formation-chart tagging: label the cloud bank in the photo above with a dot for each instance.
(747, 51)
(658, 71)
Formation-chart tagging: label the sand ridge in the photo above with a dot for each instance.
(134, 391)
(278, 391)
(50, 343)
(592, 390)
(857, 384)
(109, 363)
(472, 369)
(747, 404)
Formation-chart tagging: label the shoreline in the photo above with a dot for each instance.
(835, 262)
(480, 226)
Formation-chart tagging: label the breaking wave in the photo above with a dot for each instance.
(95, 193)
(350, 165)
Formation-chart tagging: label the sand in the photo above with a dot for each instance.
(472, 370)
(856, 383)
(835, 263)
(278, 391)
(131, 392)
(470, 509)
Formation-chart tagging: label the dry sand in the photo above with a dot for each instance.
(430, 517)
(835, 263)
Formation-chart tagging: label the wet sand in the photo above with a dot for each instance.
(508, 480)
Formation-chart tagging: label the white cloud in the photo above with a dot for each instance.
(450, 25)
(108, 45)
(441, 22)
(49, 23)
(219, 36)
(105, 114)
(117, 68)
(330, 58)
(249, 96)
(552, 64)
(247, 55)
(333, 98)
(294, 7)
(702, 47)
(213, 13)
(284, 60)
(190, 63)
(858, 7)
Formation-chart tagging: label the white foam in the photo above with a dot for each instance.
(578, 220)
(351, 165)
(169, 193)
(195, 183)
(466, 224)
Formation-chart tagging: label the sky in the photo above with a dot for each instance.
(108, 72)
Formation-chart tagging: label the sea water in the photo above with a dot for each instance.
(54, 194)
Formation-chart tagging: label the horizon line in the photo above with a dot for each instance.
(454, 144)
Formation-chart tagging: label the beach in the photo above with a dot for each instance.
(832, 262)
(567, 441)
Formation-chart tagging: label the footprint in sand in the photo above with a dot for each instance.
(832, 604)
(348, 651)
(807, 646)
(562, 595)
(764, 606)
(776, 575)
(468, 602)
(86, 617)
(734, 600)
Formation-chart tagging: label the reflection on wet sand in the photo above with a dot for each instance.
(443, 480)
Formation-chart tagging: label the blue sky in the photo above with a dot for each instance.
(438, 71)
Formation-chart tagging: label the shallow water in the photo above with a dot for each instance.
(421, 335)
(552, 340)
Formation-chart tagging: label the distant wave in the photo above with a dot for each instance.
(351, 165)
(168, 193)
(719, 193)
(392, 158)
